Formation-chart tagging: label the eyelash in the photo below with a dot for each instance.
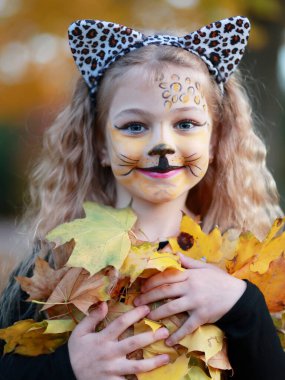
(126, 127)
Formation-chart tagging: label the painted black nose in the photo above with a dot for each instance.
(161, 150)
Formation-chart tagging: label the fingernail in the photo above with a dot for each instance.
(146, 309)
(165, 358)
(161, 333)
(169, 342)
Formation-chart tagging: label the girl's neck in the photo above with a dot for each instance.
(158, 221)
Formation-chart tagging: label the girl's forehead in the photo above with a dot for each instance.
(167, 73)
(159, 92)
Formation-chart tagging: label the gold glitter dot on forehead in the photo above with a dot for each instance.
(174, 98)
(168, 104)
(197, 84)
(166, 94)
(176, 86)
(184, 98)
(187, 80)
(191, 90)
(197, 99)
(175, 77)
(162, 85)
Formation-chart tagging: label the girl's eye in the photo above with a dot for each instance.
(133, 128)
(186, 125)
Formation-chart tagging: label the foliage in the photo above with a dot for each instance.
(76, 285)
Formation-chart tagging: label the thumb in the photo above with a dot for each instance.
(188, 262)
(89, 323)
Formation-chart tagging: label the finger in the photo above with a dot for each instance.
(120, 324)
(138, 341)
(188, 262)
(170, 308)
(160, 293)
(169, 276)
(192, 323)
(138, 366)
(89, 323)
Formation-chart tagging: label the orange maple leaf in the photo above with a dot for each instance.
(271, 283)
(80, 289)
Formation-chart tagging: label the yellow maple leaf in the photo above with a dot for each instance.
(259, 254)
(271, 283)
(195, 243)
(29, 338)
(196, 373)
(101, 238)
(206, 338)
(155, 348)
(171, 371)
(144, 260)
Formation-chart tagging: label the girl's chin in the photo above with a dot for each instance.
(161, 196)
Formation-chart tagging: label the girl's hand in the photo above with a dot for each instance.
(203, 290)
(101, 356)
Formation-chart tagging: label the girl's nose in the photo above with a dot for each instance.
(161, 150)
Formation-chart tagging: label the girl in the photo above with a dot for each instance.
(160, 122)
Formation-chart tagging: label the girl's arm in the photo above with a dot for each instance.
(254, 348)
(54, 366)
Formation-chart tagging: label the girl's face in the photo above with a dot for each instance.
(158, 135)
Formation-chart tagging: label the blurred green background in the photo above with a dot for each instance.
(37, 73)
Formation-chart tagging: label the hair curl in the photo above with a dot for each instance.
(237, 191)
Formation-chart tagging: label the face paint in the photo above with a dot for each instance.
(158, 152)
(178, 90)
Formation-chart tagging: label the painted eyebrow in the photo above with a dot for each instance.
(140, 112)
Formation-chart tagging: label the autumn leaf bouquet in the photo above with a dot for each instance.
(98, 258)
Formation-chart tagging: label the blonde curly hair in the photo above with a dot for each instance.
(237, 191)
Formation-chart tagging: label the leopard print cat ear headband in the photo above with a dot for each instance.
(96, 44)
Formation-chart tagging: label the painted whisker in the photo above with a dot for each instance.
(195, 175)
(128, 172)
(193, 154)
(127, 162)
(128, 158)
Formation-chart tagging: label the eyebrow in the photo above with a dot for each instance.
(140, 112)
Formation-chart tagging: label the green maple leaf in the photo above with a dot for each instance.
(101, 238)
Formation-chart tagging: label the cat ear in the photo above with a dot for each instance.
(95, 44)
(220, 45)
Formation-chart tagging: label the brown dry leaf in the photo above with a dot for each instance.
(62, 253)
(270, 283)
(80, 289)
(42, 283)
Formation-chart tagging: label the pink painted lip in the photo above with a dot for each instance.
(169, 174)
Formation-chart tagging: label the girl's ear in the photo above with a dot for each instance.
(104, 157)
